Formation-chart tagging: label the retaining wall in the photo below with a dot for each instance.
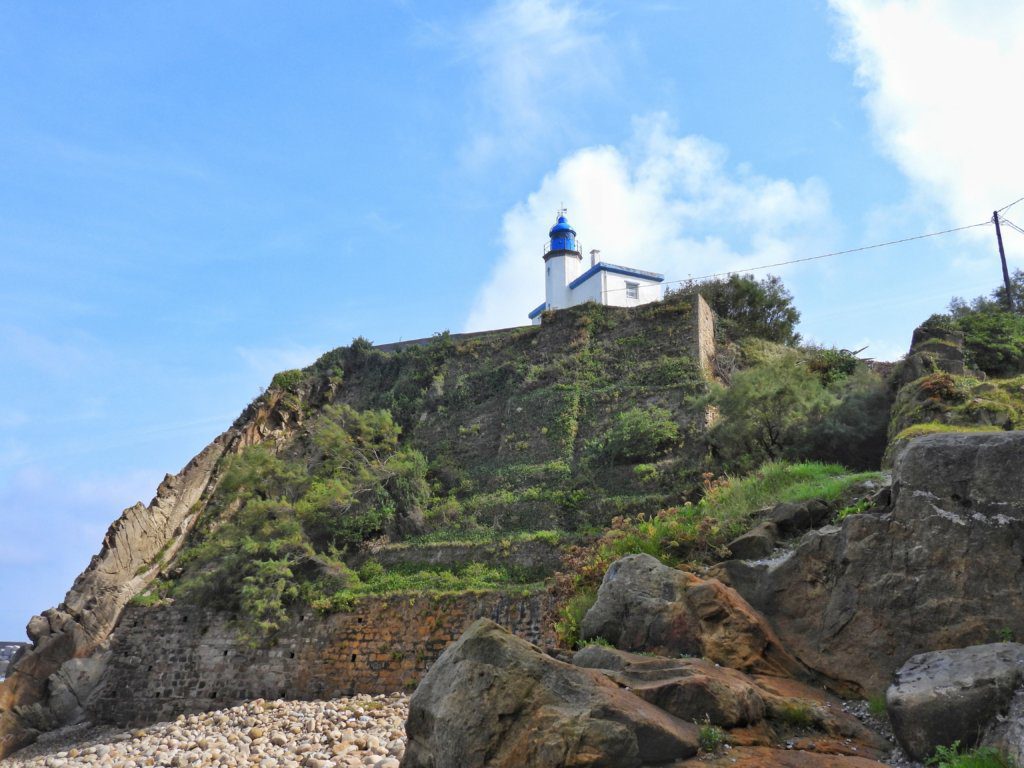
(168, 660)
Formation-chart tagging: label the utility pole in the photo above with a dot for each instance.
(1002, 258)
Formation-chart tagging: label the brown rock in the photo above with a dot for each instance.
(690, 689)
(494, 700)
(766, 757)
(643, 605)
(756, 543)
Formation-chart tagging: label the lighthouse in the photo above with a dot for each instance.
(567, 283)
(562, 263)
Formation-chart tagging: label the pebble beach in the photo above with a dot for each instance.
(337, 733)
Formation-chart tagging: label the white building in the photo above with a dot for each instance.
(567, 284)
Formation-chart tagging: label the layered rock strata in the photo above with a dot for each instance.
(940, 568)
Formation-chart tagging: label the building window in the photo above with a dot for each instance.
(632, 290)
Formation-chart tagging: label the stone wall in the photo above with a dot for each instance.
(705, 337)
(167, 660)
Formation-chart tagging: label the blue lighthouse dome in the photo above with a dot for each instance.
(563, 236)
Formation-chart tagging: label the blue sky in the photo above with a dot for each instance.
(195, 195)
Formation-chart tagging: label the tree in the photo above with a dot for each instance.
(746, 306)
(993, 336)
(765, 413)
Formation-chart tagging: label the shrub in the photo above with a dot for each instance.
(832, 365)
(853, 431)
(639, 434)
(712, 738)
(765, 413)
(979, 757)
(746, 306)
(570, 618)
(288, 379)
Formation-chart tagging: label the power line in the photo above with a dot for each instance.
(1010, 205)
(1007, 221)
(820, 256)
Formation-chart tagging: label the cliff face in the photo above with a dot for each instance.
(940, 568)
(507, 421)
(134, 549)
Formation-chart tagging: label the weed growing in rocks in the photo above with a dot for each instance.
(979, 757)
(712, 738)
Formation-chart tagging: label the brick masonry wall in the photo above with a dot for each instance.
(167, 660)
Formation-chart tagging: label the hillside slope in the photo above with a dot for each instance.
(479, 443)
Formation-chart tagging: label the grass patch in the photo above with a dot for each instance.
(979, 757)
(696, 532)
(373, 581)
(935, 427)
(481, 535)
(876, 705)
(147, 599)
(796, 714)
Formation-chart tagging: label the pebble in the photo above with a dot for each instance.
(358, 731)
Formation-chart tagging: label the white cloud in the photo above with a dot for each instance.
(534, 57)
(941, 79)
(663, 202)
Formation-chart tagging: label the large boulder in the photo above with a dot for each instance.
(942, 568)
(493, 699)
(945, 696)
(756, 543)
(643, 605)
(690, 689)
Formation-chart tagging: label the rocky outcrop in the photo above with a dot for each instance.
(690, 689)
(494, 700)
(643, 605)
(951, 696)
(933, 349)
(134, 548)
(766, 757)
(940, 568)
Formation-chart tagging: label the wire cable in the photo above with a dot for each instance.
(819, 256)
(1005, 220)
(1011, 205)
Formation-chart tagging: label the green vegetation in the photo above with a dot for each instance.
(712, 738)
(555, 434)
(288, 379)
(800, 404)
(377, 581)
(746, 306)
(993, 335)
(567, 627)
(797, 714)
(853, 509)
(944, 402)
(697, 532)
(277, 526)
(876, 705)
(979, 757)
(933, 427)
(638, 434)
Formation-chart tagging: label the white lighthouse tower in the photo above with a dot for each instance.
(562, 263)
(566, 284)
